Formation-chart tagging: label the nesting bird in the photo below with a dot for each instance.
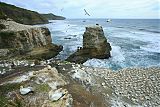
(26, 90)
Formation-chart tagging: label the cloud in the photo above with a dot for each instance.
(97, 8)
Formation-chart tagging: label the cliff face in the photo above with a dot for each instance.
(51, 16)
(95, 40)
(28, 40)
(21, 15)
(95, 45)
(25, 39)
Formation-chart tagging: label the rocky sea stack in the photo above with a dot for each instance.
(95, 45)
(26, 41)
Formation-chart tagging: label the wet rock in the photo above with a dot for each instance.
(67, 38)
(95, 45)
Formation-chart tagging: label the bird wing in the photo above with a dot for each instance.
(86, 13)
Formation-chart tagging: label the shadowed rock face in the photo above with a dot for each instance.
(95, 45)
(33, 42)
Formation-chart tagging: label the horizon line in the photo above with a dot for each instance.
(114, 18)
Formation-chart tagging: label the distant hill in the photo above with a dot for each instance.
(21, 15)
(51, 16)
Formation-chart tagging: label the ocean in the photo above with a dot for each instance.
(134, 42)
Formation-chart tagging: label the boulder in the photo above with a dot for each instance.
(95, 45)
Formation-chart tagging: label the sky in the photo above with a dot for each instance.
(128, 9)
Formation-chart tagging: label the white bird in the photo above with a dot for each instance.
(62, 9)
(54, 96)
(32, 64)
(26, 90)
(109, 20)
(49, 67)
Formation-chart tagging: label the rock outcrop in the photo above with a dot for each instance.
(95, 45)
(76, 85)
(33, 42)
(37, 89)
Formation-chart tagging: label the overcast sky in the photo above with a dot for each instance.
(96, 8)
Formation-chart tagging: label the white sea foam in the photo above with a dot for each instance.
(95, 63)
(137, 35)
(117, 57)
(130, 47)
(153, 39)
(117, 54)
(152, 47)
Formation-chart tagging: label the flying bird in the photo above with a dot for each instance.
(86, 13)
(62, 9)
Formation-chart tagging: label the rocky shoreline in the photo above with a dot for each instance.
(26, 42)
(29, 78)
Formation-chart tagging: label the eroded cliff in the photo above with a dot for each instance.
(27, 40)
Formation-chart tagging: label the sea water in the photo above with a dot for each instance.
(134, 42)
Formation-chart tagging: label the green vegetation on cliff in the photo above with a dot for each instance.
(51, 16)
(21, 15)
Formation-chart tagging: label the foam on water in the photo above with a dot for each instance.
(117, 54)
(152, 39)
(152, 47)
(131, 47)
(116, 59)
(68, 35)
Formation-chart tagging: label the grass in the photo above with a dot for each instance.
(42, 88)
(4, 89)
(65, 62)
(3, 101)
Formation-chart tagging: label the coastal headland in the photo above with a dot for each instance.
(30, 76)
